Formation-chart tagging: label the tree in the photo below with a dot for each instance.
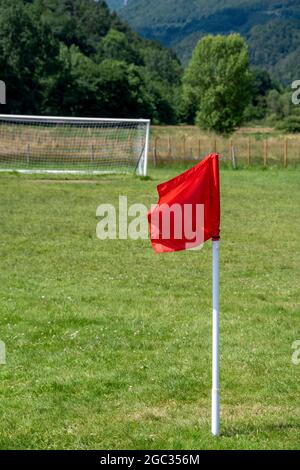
(282, 112)
(79, 22)
(217, 82)
(72, 91)
(262, 85)
(115, 45)
(162, 63)
(28, 57)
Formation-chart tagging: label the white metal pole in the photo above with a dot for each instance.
(215, 416)
(146, 150)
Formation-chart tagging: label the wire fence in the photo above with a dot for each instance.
(240, 151)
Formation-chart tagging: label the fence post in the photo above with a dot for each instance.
(266, 152)
(230, 150)
(249, 152)
(92, 152)
(285, 157)
(91, 147)
(183, 146)
(27, 151)
(169, 147)
(155, 152)
(233, 158)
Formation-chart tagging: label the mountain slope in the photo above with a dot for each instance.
(271, 27)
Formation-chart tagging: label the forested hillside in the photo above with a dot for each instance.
(75, 57)
(271, 27)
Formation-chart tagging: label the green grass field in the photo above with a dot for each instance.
(109, 345)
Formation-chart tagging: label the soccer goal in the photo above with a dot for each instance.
(38, 144)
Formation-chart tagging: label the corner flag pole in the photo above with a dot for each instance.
(215, 416)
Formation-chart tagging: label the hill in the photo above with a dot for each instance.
(272, 28)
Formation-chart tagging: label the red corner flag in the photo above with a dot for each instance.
(188, 210)
(188, 214)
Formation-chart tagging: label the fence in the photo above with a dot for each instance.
(245, 151)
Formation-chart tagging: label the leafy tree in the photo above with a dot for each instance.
(162, 63)
(73, 89)
(79, 22)
(262, 84)
(28, 56)
(281, 112)
(217, 82)
(115, 45)
(163, 101)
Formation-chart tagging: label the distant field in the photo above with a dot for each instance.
(109, 345)
(194, 131)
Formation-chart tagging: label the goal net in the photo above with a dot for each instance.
(36, 144)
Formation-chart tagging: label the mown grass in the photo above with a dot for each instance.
(109, 345)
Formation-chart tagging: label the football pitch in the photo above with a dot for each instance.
(108, 345)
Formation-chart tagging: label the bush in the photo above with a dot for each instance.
(289, 124)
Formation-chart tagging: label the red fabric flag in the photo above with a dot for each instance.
(188, 210)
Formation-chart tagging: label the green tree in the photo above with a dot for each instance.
(79, 22)
(162, 63)
(217, 82)
(28, 57)
(73, 89)
(262, 85)
(115, 45)
(282, 112)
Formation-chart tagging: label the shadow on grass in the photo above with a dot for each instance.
(252, 429)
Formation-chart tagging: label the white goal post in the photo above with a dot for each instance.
(48, 144)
